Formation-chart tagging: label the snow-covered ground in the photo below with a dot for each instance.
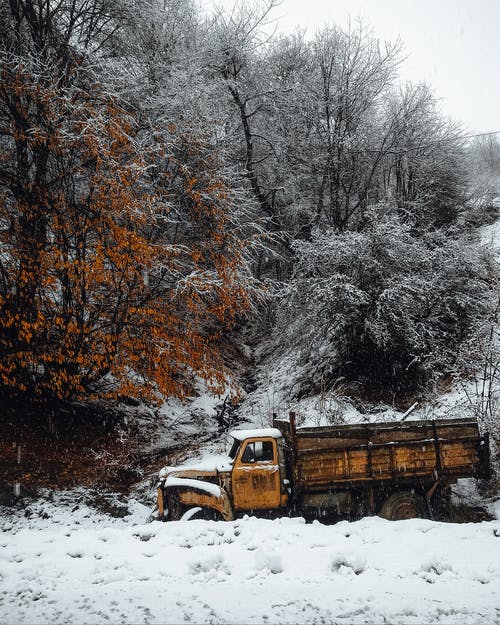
(59, 566)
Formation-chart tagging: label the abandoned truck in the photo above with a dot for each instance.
(397, 470)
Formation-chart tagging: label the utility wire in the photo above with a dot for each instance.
(427, 145)
(483, 134)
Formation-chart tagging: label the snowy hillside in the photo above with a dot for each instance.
(59, 566)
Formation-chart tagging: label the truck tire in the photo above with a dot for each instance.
(197, 513)
(190, 513)
(403, 505)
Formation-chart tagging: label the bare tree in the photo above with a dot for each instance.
(425, 169)
(352, 73)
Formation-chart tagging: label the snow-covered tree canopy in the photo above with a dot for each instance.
(158, 161)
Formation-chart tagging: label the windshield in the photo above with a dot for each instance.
(234, 449)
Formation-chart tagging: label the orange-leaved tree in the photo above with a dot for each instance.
(120, 266)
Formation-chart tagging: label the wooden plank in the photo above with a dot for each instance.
(383, 437)
(335, 469)
(409, 460)
(389, 425)
(346, 431)
(395, 436)
(455, 453)
(358, 462)
(334, 431)
(323, 457)
(456, 432)
(409, 444)
(322, 482)
(304, 444)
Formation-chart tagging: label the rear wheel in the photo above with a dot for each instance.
(403, 505)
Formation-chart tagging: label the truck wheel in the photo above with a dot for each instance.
(191, 513)
(196, 513)
(403, 505)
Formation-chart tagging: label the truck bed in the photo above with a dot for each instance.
(413, 451)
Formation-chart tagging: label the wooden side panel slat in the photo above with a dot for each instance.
(411, 459)
(403, 436)
(456, 432)
(458, 455)
(344, 431)
(329, 443)
(384, 437)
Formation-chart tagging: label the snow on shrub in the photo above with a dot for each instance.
(382, 306)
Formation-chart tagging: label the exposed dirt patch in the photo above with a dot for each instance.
(29, 458)
(63, 449)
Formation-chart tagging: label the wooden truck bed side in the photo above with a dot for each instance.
(352, 455)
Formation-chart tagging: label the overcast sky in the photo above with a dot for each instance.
(452, 44)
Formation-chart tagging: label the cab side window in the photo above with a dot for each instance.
(258, 451)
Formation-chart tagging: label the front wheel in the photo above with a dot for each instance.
(196, 513)
(403, 505)
(190, 513)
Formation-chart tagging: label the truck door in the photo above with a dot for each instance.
(256, 476)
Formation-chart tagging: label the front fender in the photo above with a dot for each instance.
(172, 499)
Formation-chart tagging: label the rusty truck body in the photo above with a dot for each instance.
(397, 470)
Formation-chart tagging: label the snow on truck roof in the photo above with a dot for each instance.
(242, 435)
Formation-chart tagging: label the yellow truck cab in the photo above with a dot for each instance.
(251, 478)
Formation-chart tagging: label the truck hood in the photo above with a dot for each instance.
(209, 467)
(173, 481)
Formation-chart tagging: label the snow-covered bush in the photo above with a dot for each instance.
(382, 307)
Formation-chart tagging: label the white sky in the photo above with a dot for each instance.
(452, 44)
